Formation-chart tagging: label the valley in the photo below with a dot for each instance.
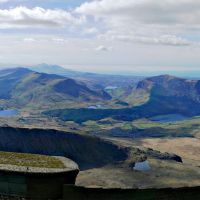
(107, 128)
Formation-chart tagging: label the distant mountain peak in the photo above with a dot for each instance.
(162, 80)
(45, 65)
(167, 85)
(166, 77)
(54, 69)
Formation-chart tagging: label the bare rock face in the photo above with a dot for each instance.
(169, 94)
(167, 85)
(163, 156)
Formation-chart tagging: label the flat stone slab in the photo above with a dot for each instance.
(69, 165)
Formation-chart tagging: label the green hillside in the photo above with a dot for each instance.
(161, 95)
(21, 87)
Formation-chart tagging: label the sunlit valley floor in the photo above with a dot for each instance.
(162, 173)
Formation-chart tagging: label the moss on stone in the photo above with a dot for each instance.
(30, 160)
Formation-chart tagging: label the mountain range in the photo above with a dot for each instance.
(69, 98)
(22, 87)
(91, 79)
(166, 95)
(56, 69)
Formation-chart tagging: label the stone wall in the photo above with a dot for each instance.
(80, 193)
(35, 186)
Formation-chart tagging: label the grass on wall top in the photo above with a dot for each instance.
(30, 160)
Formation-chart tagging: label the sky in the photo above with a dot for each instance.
(121, 36)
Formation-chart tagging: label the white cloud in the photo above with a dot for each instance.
(21, 17)
(106, 33)
(146, 21)
(91, 31)
(59, 40)
(146, 11)
(103, 48)
(170, 40)
(29, 40)
(124, 56)
(3, 1)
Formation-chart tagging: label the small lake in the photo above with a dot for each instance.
(95, 107)
(111, 88)
(142, 166)
(169, 118)
(8, 113)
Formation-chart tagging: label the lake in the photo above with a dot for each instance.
(95, 107)
(168, 118)
(8, 113)
(142, 166)
(111, 88)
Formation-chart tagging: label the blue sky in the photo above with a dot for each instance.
(145, 36)
(51, 4)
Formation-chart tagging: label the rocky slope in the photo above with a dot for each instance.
(170, 95)
(167, 85)
(87, 151)
(166, 95)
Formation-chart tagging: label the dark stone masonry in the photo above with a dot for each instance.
(20, 182)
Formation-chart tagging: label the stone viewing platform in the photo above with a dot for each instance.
(35, 176)
(39, 177)
(68, 165)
